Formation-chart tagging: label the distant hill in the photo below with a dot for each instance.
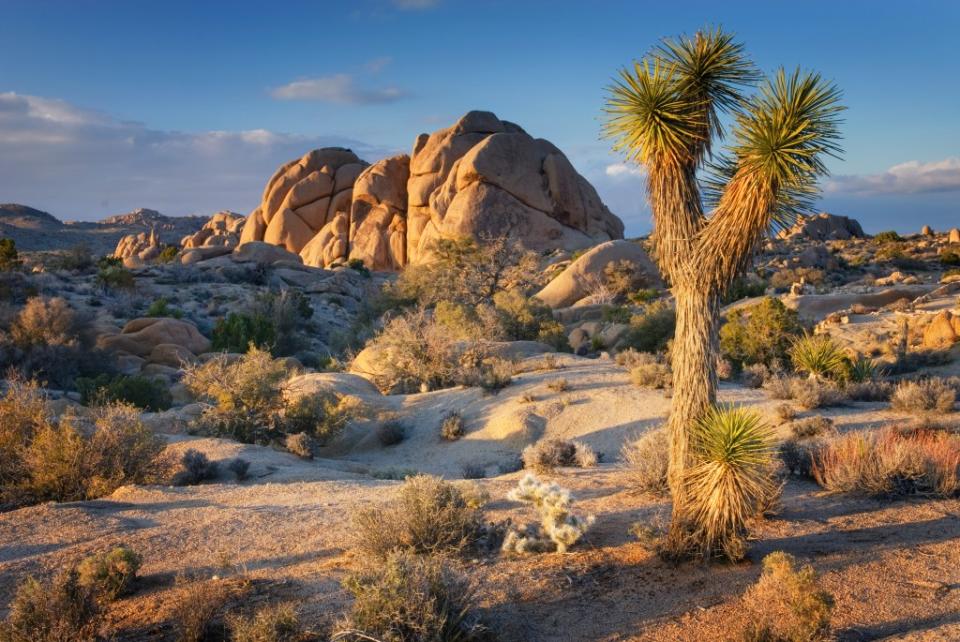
(36, 231)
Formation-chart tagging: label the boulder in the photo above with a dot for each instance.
(140, 336)
(954, 236)
(926, 230)
(222, 230)
(378, 214)
(198, 254)
(171, 354)
(580, 278)
(335, 383)
(942, 330)
(302, 196)
(263, 254)
(816, 256)
(139, 248)
(823, 227)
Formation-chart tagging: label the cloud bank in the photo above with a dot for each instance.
(912, 177)
(338, 89)
(83, 164)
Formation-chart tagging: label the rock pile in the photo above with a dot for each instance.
(222, 230)
(482, 177)
(137, 249)
(824, 227)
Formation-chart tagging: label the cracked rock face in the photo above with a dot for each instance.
(482, 177)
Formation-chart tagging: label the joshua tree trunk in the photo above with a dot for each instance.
(694, 352)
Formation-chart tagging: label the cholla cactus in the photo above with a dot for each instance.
(559, 527)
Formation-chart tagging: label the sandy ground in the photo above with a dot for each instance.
(893, 567)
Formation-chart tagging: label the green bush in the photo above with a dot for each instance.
(886, 237)
(78, 258)
(760, 333)
(409, 598)
(142, 392)
(168, 254)
(322, 416)
(357, 266)
(522, 318)
(652, 329)
(61, 610)
(110, 573)
(744, 288)
(115, 278)
(9, 257)
(238, 332)
(161, 308)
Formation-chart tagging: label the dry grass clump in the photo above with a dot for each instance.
(559, 528)
(870, 390)
(811, 427)
(111, 573)
(785, 412)
(787, 604)
(889, 462)
(197, 605)
(650, 371)
(926, 395)
(559, 385)
(809, 394)
(299, 444)
(409, 598)
(729, 483)
(647, 458)
(797, 456)
(429, 515)
(60, 610)
(44, 322)
(754, 375)
(271, 623)
(452, 427)
(548, 454)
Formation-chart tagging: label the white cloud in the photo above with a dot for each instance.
(340, 89)
(624, 170)
(377, 65)
(912, 177)
(83, 164)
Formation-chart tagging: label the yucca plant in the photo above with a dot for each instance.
(860, 369)
(818, 356)
(664, 113)
(730, 480)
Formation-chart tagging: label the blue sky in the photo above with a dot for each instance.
(189, 106)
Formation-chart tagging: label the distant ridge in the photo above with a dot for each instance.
(22, 216)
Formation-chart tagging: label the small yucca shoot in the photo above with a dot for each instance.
(818, 355)
(730, 479)
(861, 368)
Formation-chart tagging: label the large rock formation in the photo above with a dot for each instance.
(222, 230)
(136, 249)
(824, 227)
(303, 196)
(482, 177)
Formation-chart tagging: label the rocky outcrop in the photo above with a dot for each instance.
(141, 337)
(303, 196)
(222, 230)
(137, 249)
(583, 276)
(481, 178)
(942, 331)
(824, 227)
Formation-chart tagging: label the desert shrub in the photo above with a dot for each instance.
(239, 467)
(559, 528)
(623, 277)
(322, 416)
(196, 608)
(110, 574)
(300, 444)
(744, 288)
(811, 426)
(243, 395)
(754, 375)
(271, 623)
(452, 427)
(417, 353)
(391, 432)
(523, 318)
(44, 322)
(647, 458)
(196, 468)
(652, 328)
(651, 371)
(473, 471)
(61, 610)
(725, 368)
(784, 278)
(142, 392)
(80, 458)
(559, 385)
(926, 395)
(616, 314)
(9, 257)
(493, 374)
(467, 271)
(284, 312)
(547, 454)
(808, 393)
(797, 456)
(644, 295)
(787, 604)
(869, 390)
(409, 598)
(429, 515)
(237, 332)
(785, 412)
(860, 369)
(889, 462)
(729, 482)
(115, 277)
(161, 308)
(78, 258)
(168, 254)
(887, 236)
(817, 355)
(760, 333)
(23, 412)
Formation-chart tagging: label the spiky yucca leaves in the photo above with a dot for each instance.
(860, 369)
(730, 481)
(818, 356)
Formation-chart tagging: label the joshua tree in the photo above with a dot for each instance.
(665, 114)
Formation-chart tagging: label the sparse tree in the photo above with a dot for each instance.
(665, 112)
